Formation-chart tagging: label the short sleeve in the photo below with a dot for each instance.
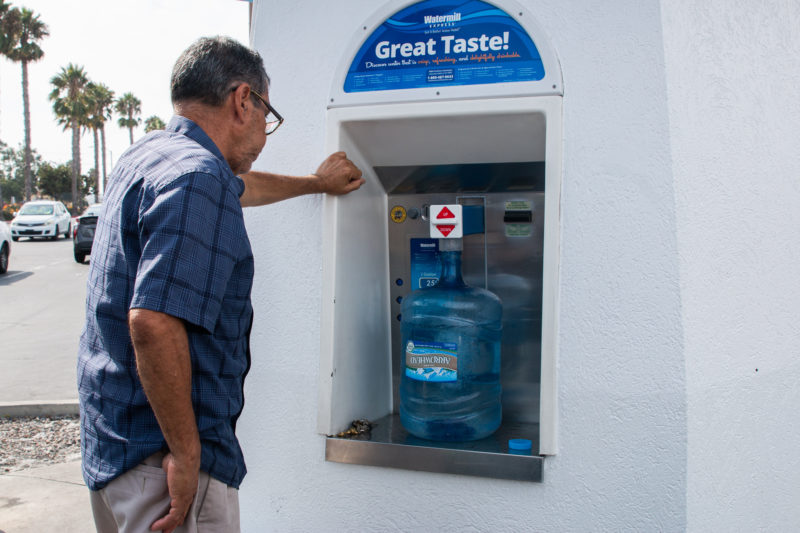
(189, 246)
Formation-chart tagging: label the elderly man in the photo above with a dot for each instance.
(164, 351)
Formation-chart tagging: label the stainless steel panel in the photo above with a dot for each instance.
(389, 445)
(508, 265)
(514, 265)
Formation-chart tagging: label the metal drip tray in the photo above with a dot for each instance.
(390, 445)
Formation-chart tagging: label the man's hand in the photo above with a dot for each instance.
(338, 175)
(182, 485)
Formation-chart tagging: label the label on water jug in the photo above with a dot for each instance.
(425, 264)
(432, 361)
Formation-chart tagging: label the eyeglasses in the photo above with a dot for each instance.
(274, 119)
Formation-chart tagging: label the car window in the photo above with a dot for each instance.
(36, 210)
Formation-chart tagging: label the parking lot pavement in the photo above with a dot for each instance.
(48, 498)
(42, 298)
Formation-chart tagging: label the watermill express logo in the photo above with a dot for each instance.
(438, 21)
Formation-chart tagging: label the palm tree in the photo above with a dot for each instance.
(101, 100)
(90, 121)
(9, 28)
(25, 51)
(153, 123)
(9, 34)
(70, 104)
(130, 108)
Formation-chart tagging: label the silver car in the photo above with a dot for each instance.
(45, 219)
(5, 246)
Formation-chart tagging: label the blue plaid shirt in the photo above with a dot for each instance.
(171, 238)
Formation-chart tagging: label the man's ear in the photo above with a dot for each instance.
(241, 101)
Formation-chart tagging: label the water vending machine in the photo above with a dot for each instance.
(454, 105)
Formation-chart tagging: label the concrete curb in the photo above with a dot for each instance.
(39, 408)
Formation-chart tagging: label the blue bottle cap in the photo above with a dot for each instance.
(520, 445)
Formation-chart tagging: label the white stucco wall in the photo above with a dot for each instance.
(733, 72)
(622, 463)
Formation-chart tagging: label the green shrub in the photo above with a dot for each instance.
(8, 212)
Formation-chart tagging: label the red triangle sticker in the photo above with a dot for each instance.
(445, 229)
(445, 213)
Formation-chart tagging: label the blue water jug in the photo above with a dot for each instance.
(450, 381)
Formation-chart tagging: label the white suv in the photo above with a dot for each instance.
(42, 219)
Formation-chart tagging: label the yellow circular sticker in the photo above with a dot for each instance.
(398, 214)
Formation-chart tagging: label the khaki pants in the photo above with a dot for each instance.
(139, 497)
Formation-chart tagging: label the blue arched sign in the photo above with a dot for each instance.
(441, 43)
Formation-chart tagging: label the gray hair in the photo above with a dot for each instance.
(211, 67)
